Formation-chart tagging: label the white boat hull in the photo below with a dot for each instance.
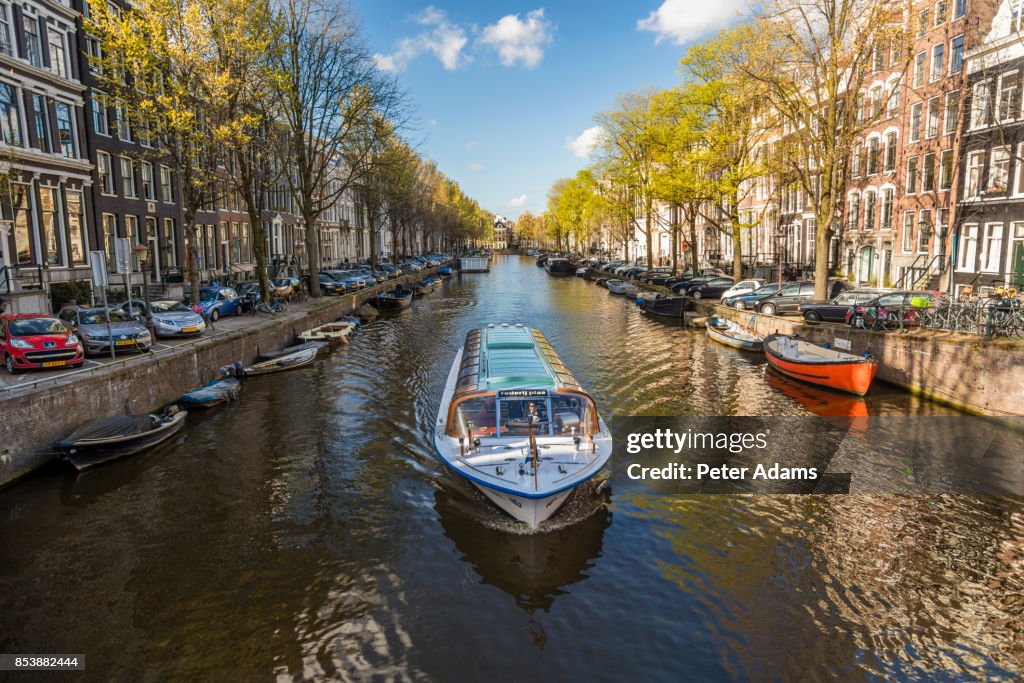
(532, 511)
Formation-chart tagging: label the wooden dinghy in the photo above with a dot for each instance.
(286, 359)
(331, 332)
(733, 334)
(809, 362)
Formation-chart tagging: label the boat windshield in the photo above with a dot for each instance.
(561, 414)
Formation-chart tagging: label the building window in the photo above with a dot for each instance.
(31, 33)
(890, 152)
(999, 171)
(919, 64)
(854, 213)
(124, 129)
(912, 168)
(236, 243)
(922, 236)
(952, 112)
(1006, 104)
(959, 9)
(170, 242)
(166, 190)
(908, 231)
(872, 160)
(968, 248)
(941, 12)
(76, 227)
(148, 187)
(128, 177)
(975, 166)
(992, 247)
(58, 58)
(105, 172)
(956, 55)
(5, 31)
(915, 121)
(887, 204)
(246, 242)
(41, 116)
(922, 23)
(855, 160)
(928, 179)
(94, 53)
(49, 201)
(932, 128)
(110, 241)
(892, 101)
(99, 115)
(65, 129)
(10, 115)
(869, 210)
(938, 55)
(982, 105)
(946, 169)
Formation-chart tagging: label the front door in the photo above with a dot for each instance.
(1016, 269)
(866, 273)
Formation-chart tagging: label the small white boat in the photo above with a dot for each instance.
(731, 333)
(286, 359)
(331, 332)
(580, 272)
(622, 287)
(515, 423)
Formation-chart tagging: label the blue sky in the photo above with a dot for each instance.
(501, 89)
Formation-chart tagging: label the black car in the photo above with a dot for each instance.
(835, 311)
(790, 297)
(683, 285)
(744, 301)
(712, 289)
(328, 285)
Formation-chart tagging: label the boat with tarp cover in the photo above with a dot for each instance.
(109, 438)
(516, 423)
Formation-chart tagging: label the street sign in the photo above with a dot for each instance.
(98, 264)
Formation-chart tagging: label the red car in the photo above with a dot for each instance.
(38, 341)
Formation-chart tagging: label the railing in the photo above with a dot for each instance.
(924, 266)
(17, 278)
(1001, 314)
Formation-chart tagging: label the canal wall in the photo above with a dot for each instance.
(984, 377)
(34, 417)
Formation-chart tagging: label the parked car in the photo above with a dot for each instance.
(890, 306)
(650, 274)
(38, 341)
(789, 298)
(123, 332)
(742, 287)
(328, 284)
(216, 302)
(170, 318)
(745, 301)
(683, 285)
(390, 271)
(286, 287)
(835, 311)
(712, 289)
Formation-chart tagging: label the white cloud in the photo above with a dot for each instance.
(517, 202)
(519, 41)
(471, 144)
(583, 144)
(444, 40)
(432, 123)
(476, 168)
(683, 20)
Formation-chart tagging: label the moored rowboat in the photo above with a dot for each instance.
(732, 334)
(286, 359)
(104, 439)
(331, 332)
(809, 362)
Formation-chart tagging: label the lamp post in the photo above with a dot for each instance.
(779, 232)
(142, 252)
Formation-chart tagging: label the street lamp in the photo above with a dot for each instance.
(142, 252)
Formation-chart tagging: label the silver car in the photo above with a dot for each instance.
(91, 325)
(170, 318)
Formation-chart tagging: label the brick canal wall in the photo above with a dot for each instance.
(985, 377)
(32, 420)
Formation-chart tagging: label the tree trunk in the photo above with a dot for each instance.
(694, 260)
(312, 254)
(193, 254)
(649, 232)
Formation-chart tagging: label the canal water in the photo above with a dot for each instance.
(308, 531)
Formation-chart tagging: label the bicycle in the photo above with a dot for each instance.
(275, 305)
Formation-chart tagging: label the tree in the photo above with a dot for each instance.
(163, 64)
(814, 59)
(332, 99)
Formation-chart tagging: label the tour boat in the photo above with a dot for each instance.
(733, 334)
(827, 367)
(108, 438)
(515, 423)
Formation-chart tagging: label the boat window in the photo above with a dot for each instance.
(515, 416)
(476, 417)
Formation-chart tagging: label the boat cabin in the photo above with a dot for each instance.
(511, 384)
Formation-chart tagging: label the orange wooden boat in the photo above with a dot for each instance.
(809, 362)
